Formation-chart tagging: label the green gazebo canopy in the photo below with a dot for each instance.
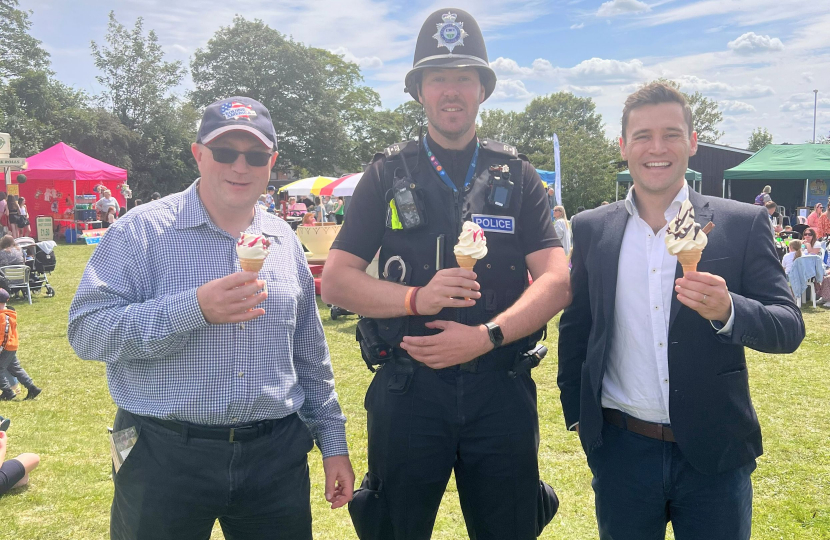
(625, 176)
(784, 162)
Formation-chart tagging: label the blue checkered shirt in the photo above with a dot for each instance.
(136, 310)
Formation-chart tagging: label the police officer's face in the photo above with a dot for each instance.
(451, 98)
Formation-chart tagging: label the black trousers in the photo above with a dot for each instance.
(172, 487)
(484, 426)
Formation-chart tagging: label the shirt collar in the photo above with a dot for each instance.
(671, 211)
(194, 214)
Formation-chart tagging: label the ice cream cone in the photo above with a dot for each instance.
(251, 265)
(688, 259)
(467, 263)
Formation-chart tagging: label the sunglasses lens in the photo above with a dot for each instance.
(257, 159)
(224, 155)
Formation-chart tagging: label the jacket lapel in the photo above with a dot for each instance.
(703, 215)
(609, 248)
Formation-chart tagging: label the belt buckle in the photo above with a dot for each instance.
(230, 439)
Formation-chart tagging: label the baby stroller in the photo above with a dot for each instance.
(40, 258)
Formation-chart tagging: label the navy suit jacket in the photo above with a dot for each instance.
(712, 415)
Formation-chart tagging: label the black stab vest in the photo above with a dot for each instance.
(502, 273)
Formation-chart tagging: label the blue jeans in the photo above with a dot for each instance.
(641, 484)
(174, 487)
(10, 368)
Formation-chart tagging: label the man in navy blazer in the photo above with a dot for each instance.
(652, 370)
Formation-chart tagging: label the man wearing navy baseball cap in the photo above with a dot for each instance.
(222, 377)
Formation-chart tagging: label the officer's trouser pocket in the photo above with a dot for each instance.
(369, 512)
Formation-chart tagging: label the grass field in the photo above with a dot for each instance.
(70, 493)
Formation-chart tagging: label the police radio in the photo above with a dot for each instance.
(410, 207)
(501, 187)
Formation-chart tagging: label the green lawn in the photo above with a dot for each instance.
(70, 493)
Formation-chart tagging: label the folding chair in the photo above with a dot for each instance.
(18, 277)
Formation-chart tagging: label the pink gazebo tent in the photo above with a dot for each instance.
(55, 176)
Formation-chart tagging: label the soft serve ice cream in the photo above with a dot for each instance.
(685, 238)
(252, 250)
(471, 245)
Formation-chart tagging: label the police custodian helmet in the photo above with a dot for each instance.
(457, 43)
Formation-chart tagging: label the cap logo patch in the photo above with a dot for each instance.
(236, 110)
(450, 33)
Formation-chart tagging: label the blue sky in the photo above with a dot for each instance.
(760, 59)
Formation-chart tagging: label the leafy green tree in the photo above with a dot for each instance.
(320, 110)
(759, 139)
(19, 51)
(137, 80)
(586, 154)
(706, 113)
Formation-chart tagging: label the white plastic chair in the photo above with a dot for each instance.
(18, 278)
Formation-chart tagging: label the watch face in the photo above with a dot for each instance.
(496, 335)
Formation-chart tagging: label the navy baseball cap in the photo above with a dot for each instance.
(237, 114)
(4, 296)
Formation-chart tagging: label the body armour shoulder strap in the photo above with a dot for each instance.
(502, 148)
(397, 149)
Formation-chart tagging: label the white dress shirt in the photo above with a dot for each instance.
(636, 379)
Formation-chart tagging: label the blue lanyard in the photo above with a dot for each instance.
(439, 169)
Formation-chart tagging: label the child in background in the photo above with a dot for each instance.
(8, 353)
(308, 220)
(25, 222)
(110, 216)
(789, 258)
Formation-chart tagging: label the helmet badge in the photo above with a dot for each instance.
(450, 33)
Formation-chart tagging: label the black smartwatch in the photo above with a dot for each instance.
(496, 335)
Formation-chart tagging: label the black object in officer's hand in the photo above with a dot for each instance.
(374, 350)
(501, 188)
(528, 360)
(409, 206)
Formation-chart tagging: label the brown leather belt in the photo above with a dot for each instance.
(653, 430)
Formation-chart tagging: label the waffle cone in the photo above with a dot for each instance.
(688, 259)
(251, 265)
(465, 261)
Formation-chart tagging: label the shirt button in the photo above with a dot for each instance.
(242, 326)
(656, 308)
(660, 344)
(241, 374)
(653, 270)
(666, 381)
(234, 420)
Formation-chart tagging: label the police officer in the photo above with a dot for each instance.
(453, 392)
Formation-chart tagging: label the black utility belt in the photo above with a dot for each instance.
(240, 433)
(504, 360)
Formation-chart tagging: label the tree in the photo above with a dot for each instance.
(586, 154)
(137, 80)
(759, 139)
(19, 51)
(706, 114)
(319, 109)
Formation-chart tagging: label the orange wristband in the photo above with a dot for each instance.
(413, 302)
(406, 301)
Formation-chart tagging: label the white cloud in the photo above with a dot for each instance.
(603, 71)
(735, 107)
(742, 12)
(807, 76)
(511, 89)
(692, 83)
(577, 26)
(591, 91)
(366, 62)
(804, 101)
(539, 69)
(612, 8)
(752, 43)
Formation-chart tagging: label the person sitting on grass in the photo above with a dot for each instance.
(15, 472)
(8, 354)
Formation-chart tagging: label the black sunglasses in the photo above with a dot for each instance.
(228, 155)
